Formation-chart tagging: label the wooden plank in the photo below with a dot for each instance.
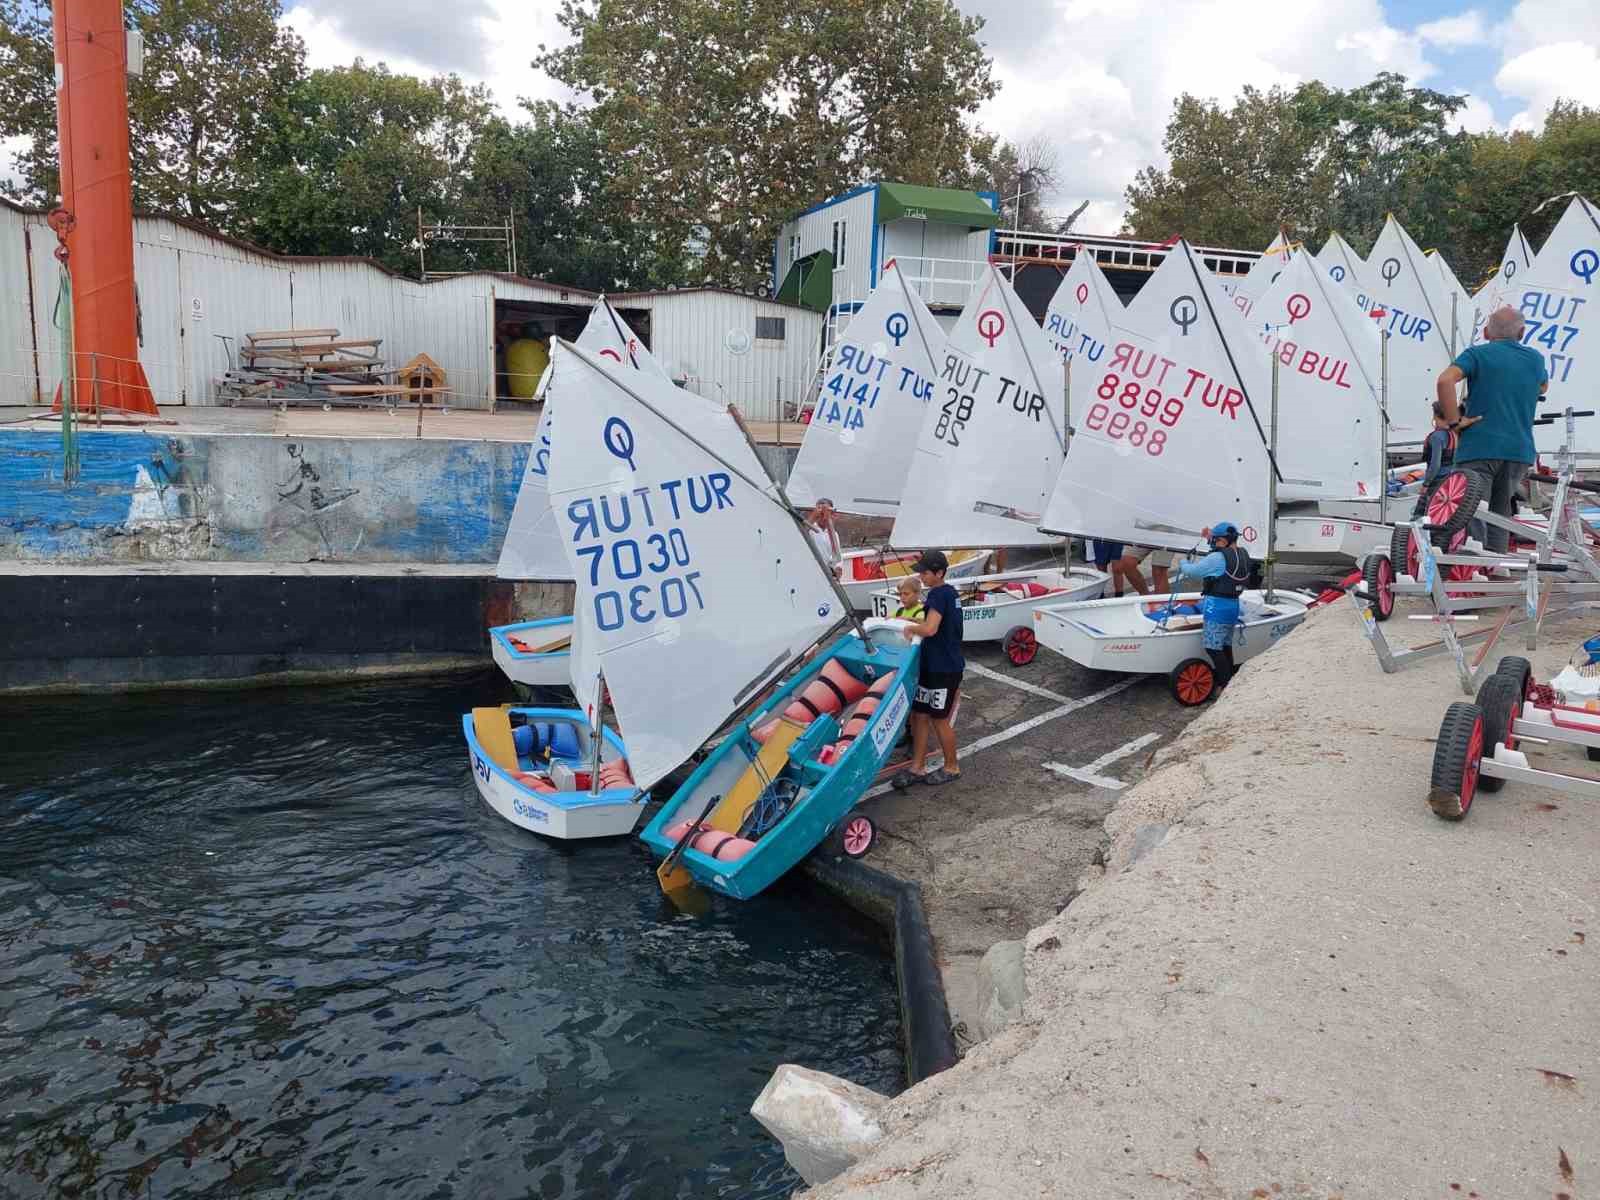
(268, 335)
(364, 389)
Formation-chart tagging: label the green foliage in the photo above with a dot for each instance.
(720, 118)
(1312, 160)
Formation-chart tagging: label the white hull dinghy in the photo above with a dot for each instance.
(1163, 635)
(862, 573)
(533, 767)
(999, 608)
(534, 653)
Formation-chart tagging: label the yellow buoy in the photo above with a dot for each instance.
(526, 359)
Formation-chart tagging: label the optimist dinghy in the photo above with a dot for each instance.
(536, 767)
(700, 595)
(863, 432)
(531, 652)
(1163, 635)
(999, 608)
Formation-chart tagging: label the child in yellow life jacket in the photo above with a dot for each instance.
(911, 607)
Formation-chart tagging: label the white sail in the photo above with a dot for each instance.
(1077, 322)
(1170, 438)
(1328, 384)
(1559, 298)
(1508, 276)
(991, 440)
(695, 585)
(1263, 273)
(1344, 266)
(1411, 295)
(532, 549)
(863, 432)
(1455, 307)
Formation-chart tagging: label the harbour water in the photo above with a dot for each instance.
(264, 944)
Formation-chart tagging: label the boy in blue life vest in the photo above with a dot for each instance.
(1439, 449)
(1223, 574)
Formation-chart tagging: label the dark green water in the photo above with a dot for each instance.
(272, 944)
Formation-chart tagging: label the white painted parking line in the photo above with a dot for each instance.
(1021, 727)
(1090, 774)
(1032, 689)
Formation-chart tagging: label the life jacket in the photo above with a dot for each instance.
(1452, 441)
(1236, 573)
(917, 612)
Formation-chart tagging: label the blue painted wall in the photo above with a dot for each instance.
(149, 496)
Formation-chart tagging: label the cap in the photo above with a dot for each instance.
(932, 560)
(1225, 529)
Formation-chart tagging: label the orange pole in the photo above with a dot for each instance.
(96, 188)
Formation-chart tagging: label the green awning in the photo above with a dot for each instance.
(810, 282)
(952, 207)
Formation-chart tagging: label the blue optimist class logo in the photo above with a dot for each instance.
(1584, 264)
(619, 440)
(897, 326)
(824, 609)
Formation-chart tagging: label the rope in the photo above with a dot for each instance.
(61, 318)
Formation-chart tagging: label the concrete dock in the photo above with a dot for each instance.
(1291, 978)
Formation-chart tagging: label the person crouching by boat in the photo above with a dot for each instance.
(911, 607)
(824, 533)
(1223, 574)
(939, 676)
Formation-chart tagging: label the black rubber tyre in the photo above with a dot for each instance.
(1453, 502)
(1501, 701)
(1519, 669)
(1456, 757)
(1193, 682)
(1378, 575)
(1020, 645)
(1400, 550)
(1594, 754)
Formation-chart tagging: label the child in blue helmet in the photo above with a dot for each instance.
(1223, 574)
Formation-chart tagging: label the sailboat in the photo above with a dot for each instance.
(990, 446)
(863, 431)
(1501, 286)
(1263, 273)
(1172, 442)
(1417, 317)
(1340, 262)
(536, 653)
(704, 601)
(1560, 301)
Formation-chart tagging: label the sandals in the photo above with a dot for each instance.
(936, 778)
(940, 777)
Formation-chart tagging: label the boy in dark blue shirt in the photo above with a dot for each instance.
(939, 675)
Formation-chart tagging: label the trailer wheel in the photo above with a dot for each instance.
(1501, 702)
(1378, 575)
(1402, 555)
(857, 835)
(1020, 645)
(1453, 503)
(1193, 682)
(1519, 669)
(1456, 758)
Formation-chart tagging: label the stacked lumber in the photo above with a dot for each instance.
(288, 366)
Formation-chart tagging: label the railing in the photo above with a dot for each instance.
(1117, 253)
(941, 282)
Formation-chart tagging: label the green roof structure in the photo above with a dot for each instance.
(898, 201)
(809, 282)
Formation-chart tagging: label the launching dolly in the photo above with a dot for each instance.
(1512, 731)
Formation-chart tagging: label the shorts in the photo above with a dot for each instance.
(1105, 553)
(1158, 558)
(1221, 620)
(936, 693)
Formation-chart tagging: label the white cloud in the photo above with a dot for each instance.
(1099, 78)
(1455, 33)
(495, 46)
(1561, 70)
(1535, 23)
(1475, 117)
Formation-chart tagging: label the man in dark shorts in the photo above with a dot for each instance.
(939, 675)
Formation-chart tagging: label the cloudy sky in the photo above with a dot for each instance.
(1098, 77)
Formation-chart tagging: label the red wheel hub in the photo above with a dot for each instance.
(1021, 646)
(1446, 498)
(1469, 773)
(1195, 683)
(857, 835)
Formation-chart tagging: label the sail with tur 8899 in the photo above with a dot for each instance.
(694, 582)
(863, 432)
(991, 440)
(1559, 300)
(1168, 436)
(532, 549)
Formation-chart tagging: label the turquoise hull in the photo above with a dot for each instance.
(830, 790)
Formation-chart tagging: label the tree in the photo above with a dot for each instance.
(1313, 160)
(1023, 176)
(215, 71)
(728, 116)
(354, 152)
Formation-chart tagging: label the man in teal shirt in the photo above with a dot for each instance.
(1504, 382)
